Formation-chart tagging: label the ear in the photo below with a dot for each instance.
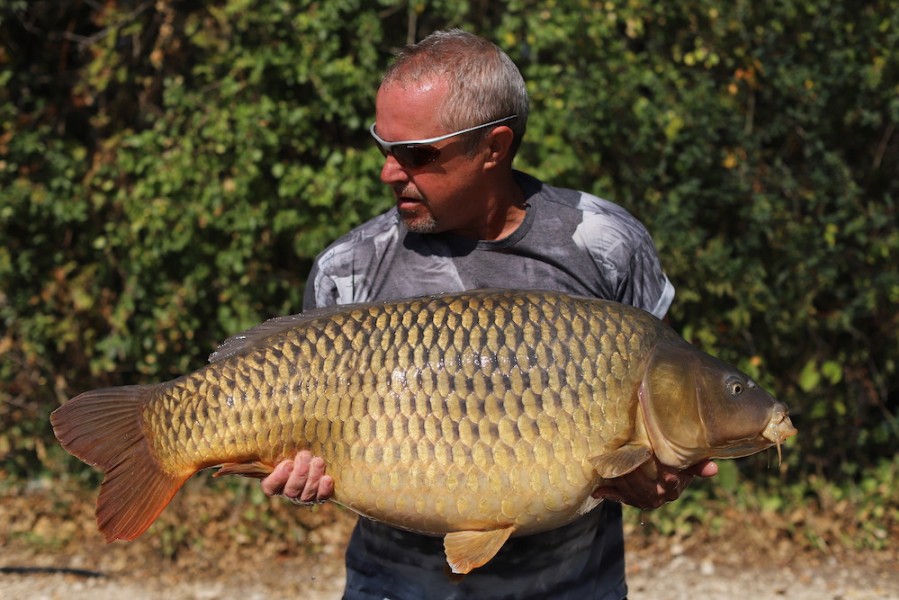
(499, 147)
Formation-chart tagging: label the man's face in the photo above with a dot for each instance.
(437, 196)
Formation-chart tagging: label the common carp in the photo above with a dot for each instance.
(473, 416)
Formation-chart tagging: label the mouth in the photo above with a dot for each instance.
(779, 429)
(408, 203)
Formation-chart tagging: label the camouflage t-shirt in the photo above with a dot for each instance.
(569, 241)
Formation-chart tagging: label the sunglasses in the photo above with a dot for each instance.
(413, 154)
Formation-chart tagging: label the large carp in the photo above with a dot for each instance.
(473, 416)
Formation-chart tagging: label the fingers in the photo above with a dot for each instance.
(302, 479)
(302, 483)
(274, 483)
(635, 489)
(652, 487)
(325, 487)
(672, 484)
(675, 482)
(704, 469)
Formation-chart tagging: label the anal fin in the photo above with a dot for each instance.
(468, 550)
(255, 469)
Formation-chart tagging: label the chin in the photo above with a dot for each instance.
(417, 223)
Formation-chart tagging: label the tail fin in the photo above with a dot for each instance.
(104, 429)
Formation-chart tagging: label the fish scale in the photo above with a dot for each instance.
(474, 416)
(379, 420)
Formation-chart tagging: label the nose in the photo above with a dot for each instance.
(392, 172)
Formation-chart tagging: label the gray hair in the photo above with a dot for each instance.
(484, 83)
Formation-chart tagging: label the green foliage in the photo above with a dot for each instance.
(814, 514)
(169, 170)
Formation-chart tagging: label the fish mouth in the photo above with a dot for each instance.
(779, 428)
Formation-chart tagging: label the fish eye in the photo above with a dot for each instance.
(735, 386)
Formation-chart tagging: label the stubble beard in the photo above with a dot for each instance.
(419, 219)
(419, 223)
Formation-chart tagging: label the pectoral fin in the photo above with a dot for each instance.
(621, 461)
(255, 469)
(467, 550)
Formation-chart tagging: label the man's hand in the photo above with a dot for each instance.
(301, 480)
(643, 490)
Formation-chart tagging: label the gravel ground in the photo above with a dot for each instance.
(681, 577)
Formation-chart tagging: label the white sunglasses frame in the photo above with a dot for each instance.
(387, 147)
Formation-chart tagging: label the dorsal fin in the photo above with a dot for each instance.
(249, 339)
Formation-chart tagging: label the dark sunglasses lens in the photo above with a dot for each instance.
(415, 156)
(412, 156)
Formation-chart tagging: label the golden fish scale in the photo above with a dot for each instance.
(496, 401)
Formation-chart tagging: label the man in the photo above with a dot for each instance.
(450, 115)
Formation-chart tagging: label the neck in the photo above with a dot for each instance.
(503, 211)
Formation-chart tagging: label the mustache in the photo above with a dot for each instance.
(406, 190)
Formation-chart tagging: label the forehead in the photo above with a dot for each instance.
(410, 111)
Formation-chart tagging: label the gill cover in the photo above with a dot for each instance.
(697, 407)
